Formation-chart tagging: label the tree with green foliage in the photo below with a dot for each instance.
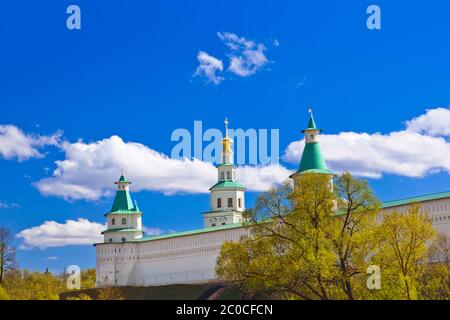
(7, 252)
(307, 243)
(351, 233)
(317, 242)
(110, 293)
(26, 285)
(88, 278)
(81, 296)
(3, 294)
(440, 250)
(435, 282)
(402, 252)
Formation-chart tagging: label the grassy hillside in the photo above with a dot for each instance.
(170, 292)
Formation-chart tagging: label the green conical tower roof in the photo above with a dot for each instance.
(136, 208)
(311, 123)
(122, 202)
(312, 159)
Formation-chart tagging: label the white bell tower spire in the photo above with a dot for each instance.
(227, 195)
(227, 149)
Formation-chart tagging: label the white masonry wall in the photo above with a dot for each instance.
(192, 259)
(186, 259)
(438, 210)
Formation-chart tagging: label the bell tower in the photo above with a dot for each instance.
(227, 195)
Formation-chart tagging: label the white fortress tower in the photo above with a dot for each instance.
(124, 221)
(312, 161)
(227, 195)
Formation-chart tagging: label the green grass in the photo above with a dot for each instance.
(230, 293)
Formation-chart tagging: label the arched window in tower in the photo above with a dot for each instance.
(222, 175)
(124, 221)
(219, 202)
(240, 202)
(124, 239)
(230, 202)
(113, 221)
(228, 175)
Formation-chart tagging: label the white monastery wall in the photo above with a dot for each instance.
(184, 259)
(192, 258)
(438, 210)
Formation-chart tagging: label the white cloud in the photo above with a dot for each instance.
(15, 144)
(262, 178)
(300, 83)
(6, 205)
(53, 234)
(435, 122)
(246, 57)
(412, 152)
(209, 67)
(152, 231)
(149, 231)
(52, 258)
(90, 168)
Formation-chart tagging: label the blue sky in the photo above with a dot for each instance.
(129, 72)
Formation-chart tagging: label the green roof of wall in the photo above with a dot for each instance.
(121, 230)
(428, 197)
(191, 232)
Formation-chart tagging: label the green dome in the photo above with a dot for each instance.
(313, 160)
